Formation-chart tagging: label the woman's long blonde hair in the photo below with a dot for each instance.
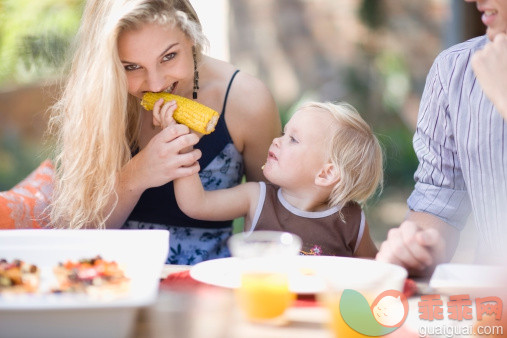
(95, 121)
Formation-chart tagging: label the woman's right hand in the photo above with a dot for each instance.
(161, 161)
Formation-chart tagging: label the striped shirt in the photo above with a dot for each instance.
(461, 144)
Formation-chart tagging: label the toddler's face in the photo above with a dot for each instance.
(296, 157)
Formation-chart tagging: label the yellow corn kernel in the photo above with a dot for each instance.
(196, 116)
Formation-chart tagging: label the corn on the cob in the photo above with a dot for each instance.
(190, 113)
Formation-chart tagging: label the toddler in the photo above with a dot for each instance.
(323, 167)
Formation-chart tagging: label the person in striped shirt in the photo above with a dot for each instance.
(461, 145)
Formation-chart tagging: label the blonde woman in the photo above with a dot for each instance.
(114, 163)
(324, 166)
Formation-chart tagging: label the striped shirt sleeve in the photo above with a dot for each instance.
(440, 188)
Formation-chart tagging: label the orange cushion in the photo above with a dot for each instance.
(25, 205)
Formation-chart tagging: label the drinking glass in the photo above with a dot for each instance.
(264, 293)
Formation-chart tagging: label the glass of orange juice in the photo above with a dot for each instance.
(364, 297)
(264, 292)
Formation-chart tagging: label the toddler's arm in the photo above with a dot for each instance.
(215, 205)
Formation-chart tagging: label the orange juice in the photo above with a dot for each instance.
(264, 295)
(337, 324)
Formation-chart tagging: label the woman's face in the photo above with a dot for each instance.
(494, 16)
(157, 58)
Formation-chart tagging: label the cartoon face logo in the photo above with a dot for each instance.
(386, 314)
(389, 310)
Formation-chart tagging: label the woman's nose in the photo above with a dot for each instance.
(155, 82)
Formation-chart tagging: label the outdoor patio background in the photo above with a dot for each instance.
(372, 53)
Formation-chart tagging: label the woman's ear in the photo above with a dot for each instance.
(327, 176)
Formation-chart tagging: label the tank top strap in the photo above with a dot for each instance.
(227, 91)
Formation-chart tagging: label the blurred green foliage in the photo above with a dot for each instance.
(372, 13)
(400, 161)
(17, 159)
(34, 36)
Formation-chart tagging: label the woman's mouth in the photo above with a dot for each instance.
(170, 89)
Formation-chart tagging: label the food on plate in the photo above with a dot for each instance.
(94, 276)
(196, 116)
(18, 277)
(307, 271)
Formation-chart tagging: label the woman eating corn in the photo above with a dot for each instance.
(116, 161)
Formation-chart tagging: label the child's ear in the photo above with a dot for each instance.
(327, 176)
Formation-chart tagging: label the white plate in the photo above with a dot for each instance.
(141, 253)
(309, 272)
(454, 278)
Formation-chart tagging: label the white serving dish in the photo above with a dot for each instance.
(141, 253)
(452, 278)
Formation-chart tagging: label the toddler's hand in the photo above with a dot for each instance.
(163, 113)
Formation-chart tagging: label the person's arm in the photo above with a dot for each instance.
(490, 67)
(439, 203)
(215, 205)
(420, 243)
(254, 122)
(161, 161)
(366, 247)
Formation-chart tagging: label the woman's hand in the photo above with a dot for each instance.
(162, 160)
(159, 162)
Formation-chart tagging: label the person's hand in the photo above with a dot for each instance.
(163, 113)
(163, 116)
(490, 67)
(162, 161)
(415, 248)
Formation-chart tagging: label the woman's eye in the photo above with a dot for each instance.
(293, 140)
(130, 68)
(169, 56)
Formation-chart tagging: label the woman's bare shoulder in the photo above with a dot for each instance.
(245, 87)
(251, 97)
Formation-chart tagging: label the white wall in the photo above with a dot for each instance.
(214, 16)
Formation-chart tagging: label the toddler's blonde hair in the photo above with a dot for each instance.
(355, 151)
